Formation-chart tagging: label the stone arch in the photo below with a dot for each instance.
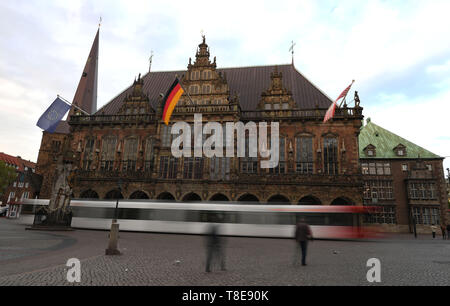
(278, 198)
(165, 196)
(342, 201)
(220, 197)
(139, 194)
(248, 197)
(309, 200)
(191, 197)
(114, 194)
(89, 194)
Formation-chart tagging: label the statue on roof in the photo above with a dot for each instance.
(357, 101)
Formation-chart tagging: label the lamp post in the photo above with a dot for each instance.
(114, 233)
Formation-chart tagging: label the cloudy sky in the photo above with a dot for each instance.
(397, 51)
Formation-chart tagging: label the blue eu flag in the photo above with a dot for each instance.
(53, 115)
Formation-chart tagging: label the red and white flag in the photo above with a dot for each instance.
(332, 108)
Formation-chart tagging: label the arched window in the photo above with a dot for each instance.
(166, 196)
(281, 168)
(108, 153)
(88, 153)
(330, 156)
(278, 199)
(304, 154)
(149, 154)
(192, 197)
(166, 136)
(89, 194)
(219, 198)
(138, 195)
(130, 154)
(248, 198)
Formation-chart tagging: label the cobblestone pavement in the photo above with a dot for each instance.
(39, 258)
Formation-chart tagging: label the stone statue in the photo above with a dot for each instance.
(61, 190)
(357, 101)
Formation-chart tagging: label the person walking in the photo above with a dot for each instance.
(302, 235)
(214, 248)
(433, 230)
(448, 231)
(443, 231)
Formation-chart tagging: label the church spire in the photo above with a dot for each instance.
(86, 94)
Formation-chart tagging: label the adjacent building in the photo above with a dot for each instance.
(27, 183)
(405, 180)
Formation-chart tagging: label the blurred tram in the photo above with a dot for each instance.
(257, 220)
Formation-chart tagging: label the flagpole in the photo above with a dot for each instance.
(71, 104)
(187, 93)
(353, 81)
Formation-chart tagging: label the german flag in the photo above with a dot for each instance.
(171, 99)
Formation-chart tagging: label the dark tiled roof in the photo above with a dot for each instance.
(247, 82)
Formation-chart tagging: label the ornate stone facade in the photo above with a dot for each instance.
(127, 141)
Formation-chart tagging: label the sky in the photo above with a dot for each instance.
(398, 52)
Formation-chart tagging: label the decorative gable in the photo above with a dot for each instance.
(137, 103)
(276, 97)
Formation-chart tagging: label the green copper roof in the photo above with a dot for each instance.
(385, 142)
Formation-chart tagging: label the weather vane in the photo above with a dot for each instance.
(150, 60)
(292, 51)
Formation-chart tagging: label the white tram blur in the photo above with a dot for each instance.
(258, 220)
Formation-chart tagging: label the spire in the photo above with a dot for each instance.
(86, 94)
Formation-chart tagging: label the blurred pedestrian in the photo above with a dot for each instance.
(214, 248)
(448, 231)
(302, 235)
(443, 231)
(433, 230)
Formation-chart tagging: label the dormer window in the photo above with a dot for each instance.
(400, 150)
(370, 150)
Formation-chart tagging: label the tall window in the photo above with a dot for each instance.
(385, 214)
(220, 168)
(168, 167)
(281, 168)
(130, 154)
(248, 164)
(56, 146)
(166, 137)
(426, 215)
(108, 153)
(425, 191)
(382, 190)
(149, 154)
(304, 155)
(193, 168)
(206, 89)
(88, 153)
(330, 156)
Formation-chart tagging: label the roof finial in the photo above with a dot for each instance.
(150, 61)
(100, 22)
(292, 51)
